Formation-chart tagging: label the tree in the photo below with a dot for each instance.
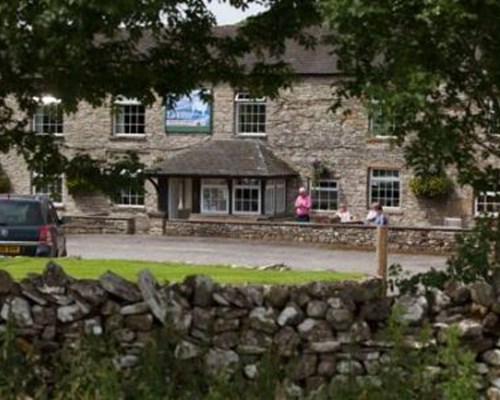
(88, 50)
(433, 66)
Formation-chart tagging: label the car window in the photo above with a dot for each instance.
(20, 213)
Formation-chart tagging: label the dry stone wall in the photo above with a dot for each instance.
(401, 239)
(320, 332)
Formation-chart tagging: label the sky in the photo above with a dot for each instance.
(226, 14)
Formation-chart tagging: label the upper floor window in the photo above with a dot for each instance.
(250, 114)
(380, 124)
(325, 195)
(48, 116)
(385, 187)
(52, 188)
(487, 203)
(129, 117)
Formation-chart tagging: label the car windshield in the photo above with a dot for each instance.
(20, 213)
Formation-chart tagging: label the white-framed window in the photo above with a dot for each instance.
(48, 117)
(379, 124)
(53, 189)
(487, 203)
(385, 187)
(129, 117)
(250, 114)
(325, 195)
(130, 197)
(275, 197)
(214, 196)
(246, 196)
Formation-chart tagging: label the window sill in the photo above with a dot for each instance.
(380, 139)
(128, 137)
(251, 135)
(129, 207)
(393, 210)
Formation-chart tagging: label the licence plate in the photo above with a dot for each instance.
(10, 249)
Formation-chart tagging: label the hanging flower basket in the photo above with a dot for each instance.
(431, 187)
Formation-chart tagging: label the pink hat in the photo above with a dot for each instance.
(302, 189)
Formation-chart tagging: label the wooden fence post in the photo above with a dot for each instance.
(382, 240)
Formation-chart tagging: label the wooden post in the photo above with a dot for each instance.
(382, 240)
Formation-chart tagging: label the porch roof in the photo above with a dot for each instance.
(233, 158)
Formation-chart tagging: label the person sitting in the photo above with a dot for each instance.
(343, 215)
(376, 216)
(303, 205)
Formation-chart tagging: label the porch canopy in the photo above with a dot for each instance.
(225, 158)
(223, 177)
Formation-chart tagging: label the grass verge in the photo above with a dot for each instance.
(19, 267)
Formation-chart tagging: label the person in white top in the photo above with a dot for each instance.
(343, 213)
(372, 213)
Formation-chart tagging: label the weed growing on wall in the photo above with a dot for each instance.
(476, 259)
(413, 369)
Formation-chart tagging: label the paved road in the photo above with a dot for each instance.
(236, 252)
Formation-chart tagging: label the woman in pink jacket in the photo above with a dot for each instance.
(302, 205)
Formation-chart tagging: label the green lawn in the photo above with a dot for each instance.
(18, 267)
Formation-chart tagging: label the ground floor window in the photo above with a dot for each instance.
(130, 196)
(246, 196)
(325, 195)
(488, 203)
(214, 196)
(385, 187)
(52, 188)
(275, 197)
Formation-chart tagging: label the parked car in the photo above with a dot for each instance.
(29, 226)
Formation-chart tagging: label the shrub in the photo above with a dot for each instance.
(5, 184)
(431, 186)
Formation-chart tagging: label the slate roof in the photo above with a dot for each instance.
(230, 158)
(318, 61)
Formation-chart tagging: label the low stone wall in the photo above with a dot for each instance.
(98, 224)
(401, 239)
(319, 331)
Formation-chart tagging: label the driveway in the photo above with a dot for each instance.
(237, 252)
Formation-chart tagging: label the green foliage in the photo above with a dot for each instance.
(86, 371)
(476, 259)
(5, 184)
(18, 365)
(433, 64)
(87, 175)
(86, 51)
(83, 175)
(431, 187)
(408, 373)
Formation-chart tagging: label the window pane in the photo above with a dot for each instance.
(48, 119)
(385, 187)
(325, 195)
(250, 114)
(130, 119)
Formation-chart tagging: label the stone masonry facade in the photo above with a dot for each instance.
(320, 333)
(300, 129)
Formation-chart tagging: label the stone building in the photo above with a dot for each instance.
(245, 157)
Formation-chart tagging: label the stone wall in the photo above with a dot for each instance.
(299, 128)
(319, 331)
(401, 239)
(94, 225)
